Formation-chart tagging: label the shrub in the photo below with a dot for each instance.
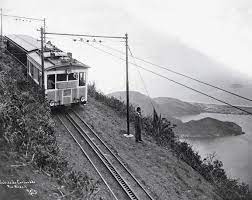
(28, 129)
(112, 102)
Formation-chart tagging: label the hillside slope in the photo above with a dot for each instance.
(146, 104)
(163, 174)
(176, 107)
(32, 163)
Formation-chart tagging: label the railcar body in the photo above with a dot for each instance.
(20, 45)
(65, 78)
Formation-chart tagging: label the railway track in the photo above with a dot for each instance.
(120, 181)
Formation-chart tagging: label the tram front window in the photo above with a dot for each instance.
(51, 81)
(73, 76)
(61, 77)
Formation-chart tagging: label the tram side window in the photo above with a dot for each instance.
(32, 70)
(51, 81)
(36, 74)
(29, 67)
(40, 78)
(61, 77)
(82, 79)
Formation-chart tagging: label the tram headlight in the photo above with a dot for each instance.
(51, 103)
(82, 99)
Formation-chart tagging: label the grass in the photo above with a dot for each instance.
(27, 128)
(162, 131)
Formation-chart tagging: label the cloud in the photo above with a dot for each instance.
(182, 34)
(236, 86)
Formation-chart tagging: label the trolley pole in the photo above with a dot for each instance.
(42, 60)
(127, 84)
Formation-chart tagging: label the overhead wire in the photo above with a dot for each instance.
(21, 17)
(171, 80)
(180, 74)
(145, 87)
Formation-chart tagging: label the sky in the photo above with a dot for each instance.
(210, 40)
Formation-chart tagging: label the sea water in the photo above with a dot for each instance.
(234, 151)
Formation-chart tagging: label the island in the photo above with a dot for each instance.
(208, 128)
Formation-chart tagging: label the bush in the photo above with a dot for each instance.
(112, 102)
(28, 129)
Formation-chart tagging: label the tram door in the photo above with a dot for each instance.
(67, 96)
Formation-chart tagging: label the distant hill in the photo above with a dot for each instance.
(168, 107)
(146, 104)
(171, 108)
(224, 109)
(176, 107)
(208, 127)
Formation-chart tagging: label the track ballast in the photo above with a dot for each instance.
(119, 180)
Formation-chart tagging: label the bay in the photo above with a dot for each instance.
(234, 151)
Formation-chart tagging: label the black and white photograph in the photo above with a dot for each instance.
(125, 100)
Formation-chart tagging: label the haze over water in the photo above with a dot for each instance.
(234, 151)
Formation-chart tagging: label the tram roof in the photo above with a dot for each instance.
(57, 62)
(26, 42)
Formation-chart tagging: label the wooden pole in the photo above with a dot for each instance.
(42, 60)
(1, 28)
(127, 84)
(44, 20)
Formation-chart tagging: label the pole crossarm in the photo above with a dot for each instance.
(29, 18)
(85, 35)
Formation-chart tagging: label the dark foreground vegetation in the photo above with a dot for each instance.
(161, 130)
(27, 131)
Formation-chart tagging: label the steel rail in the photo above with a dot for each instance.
(105, 161)
(89, 159)
(114, 155)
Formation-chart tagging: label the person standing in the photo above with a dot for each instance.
(138, 124)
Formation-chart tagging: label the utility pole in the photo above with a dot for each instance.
(127, 84)
(42, 59)
(44, 21)
(1, 28)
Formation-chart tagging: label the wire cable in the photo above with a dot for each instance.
(171, 80)
(145, 88)
(178, 73)
(21, 17)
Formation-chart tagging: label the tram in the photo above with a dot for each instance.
(65, 78)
